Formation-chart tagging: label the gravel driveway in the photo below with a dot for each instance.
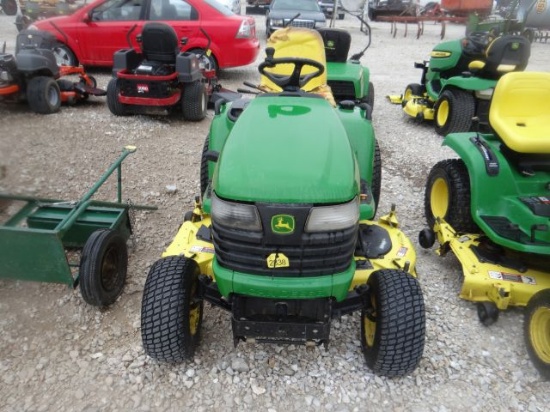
(59, 354)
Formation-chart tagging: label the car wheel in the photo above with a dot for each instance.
(9, 7)
(447, 196)
(454, 111)
(536, 327)
(43, 95)
(103, 267)
(114, 105)
(208, 62)
(171, 311)
(194, 101)
(64, 56)
(393, 323)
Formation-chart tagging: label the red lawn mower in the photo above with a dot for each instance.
(160, 77)
(33, 75)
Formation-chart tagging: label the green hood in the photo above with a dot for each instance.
(285, 150)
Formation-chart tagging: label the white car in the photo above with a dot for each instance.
(233, 5)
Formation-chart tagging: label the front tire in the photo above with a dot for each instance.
(453, 112)
(448, 196)
(393, 323)
(43, 95)
(113, 90)
(376, 176)
(536, 331)
(413, 89)
(194, 101)
(103, 267)
(171, 312)
(9, 7)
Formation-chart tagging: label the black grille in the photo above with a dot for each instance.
(149, 89)
(342, 90)
(317, 254)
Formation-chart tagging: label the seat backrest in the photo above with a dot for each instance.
(508, 53)
(520, 113)
(159, 42)
(337, 43)
(296, 42)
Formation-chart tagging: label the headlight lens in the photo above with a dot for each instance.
(235, 215)
(277, 22)
(336, 217)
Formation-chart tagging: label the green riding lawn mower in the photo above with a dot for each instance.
(491, 208)
(458, 81)
(283, 236)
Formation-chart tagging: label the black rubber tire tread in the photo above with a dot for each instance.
(370, 96)
(9, 7)
(116, 108)
(461, 111)
(99, 245)
(204, 166)
(167, 298)
(459, 214)
(376, 176)
(71, 58)
(400, 324)
(539, 300)
(38, 91)
(194, 101)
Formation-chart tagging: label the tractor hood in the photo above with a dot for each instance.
(287, 149)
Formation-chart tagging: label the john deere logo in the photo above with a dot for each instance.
(330, 44)
(515, 45)
(282, 224)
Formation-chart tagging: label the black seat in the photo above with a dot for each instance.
(506, 54)
(159, 43)
(337, 43)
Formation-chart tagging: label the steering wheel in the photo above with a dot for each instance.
(295, 80)
(480, 40)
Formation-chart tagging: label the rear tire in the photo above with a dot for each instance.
(113, 90)
(453, 112)
(43, 95)
(393, 323)
(536, 331)
(194, 101)
(171, 312)
(448, 196)
(103, 267)
(9, 7)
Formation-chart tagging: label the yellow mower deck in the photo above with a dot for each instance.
(489, 282)
(414, 106)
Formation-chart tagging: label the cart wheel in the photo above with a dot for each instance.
(103, 267)
(413, 89)
(448, 196)
(393, 323)
(536, 326)
(43, 95)
(171, 311)
(194, 101)
(487, 313)
(426, 238)
(113, 90)
(454, 111)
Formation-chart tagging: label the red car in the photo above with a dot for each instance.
(92, 34)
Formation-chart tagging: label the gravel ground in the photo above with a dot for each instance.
(60, 354)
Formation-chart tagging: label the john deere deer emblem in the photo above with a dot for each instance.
(282, 224)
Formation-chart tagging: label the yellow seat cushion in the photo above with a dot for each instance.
(520, 111)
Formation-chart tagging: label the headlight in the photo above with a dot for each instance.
(277, 22)
(5, 76)
(320, 23)
(235, 215)
(337, 217)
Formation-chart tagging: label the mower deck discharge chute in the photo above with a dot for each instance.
(160, 77)
(491, 208)
(283, 235)
(33, 75)
(458, 81)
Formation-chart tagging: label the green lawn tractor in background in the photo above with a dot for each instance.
(458, 81)
(491, 208)
(283, 235)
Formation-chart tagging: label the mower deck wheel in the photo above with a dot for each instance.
(536, 327)
(113, 90)
(194, 101)
(43, 95)
(426, 238)
(448, 196)
(454, 110)
(103, 267)
(171, 311)
(487, 312)
(393, 323)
